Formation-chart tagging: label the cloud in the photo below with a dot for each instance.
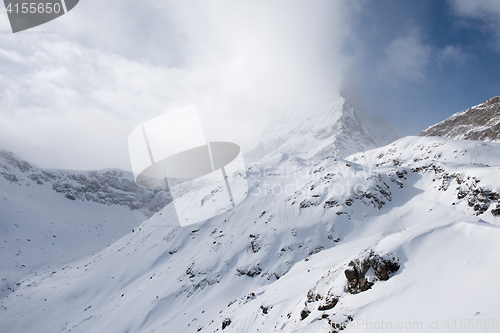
(485, 11)
(64, 105)
(70, 98)
(452, 54)
(406, 59)
(476, 8)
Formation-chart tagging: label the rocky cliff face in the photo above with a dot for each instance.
(480, 122)
(109, 187)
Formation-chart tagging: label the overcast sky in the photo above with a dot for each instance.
(73, 89)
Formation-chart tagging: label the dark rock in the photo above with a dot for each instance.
(304, 314)
(226, 322)
(329, 304)
(251, 272)
(312, 297)
(496, 211)
(70, 197)
(255, 244)
(10, 177)
(357, 268)
(331, 203)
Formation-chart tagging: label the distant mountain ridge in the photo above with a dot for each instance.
(50, 217)
(109, 186)
(480, 122)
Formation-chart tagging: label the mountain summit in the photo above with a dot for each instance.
(480, 122)
(329, 128)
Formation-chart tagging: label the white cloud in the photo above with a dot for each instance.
(486, 11)
(70, 98)
(452, 54)
(406, 59)
(476, 8)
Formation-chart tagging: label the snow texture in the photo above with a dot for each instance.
(405, 234)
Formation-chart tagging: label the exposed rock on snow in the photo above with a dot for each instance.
(449, 163)
(480, 122)
(356, 273)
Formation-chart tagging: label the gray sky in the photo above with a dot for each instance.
(73, 89)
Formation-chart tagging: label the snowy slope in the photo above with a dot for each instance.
(314, 245)
(468, 169)
(51, 217)
(480, 122)
(329, 128)
(413, 150)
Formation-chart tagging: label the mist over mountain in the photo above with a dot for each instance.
(331, 127)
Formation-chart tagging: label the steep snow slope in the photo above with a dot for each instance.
(412, 150)
(314, 245)
(468, 169)
(480, 122)
(329, 128)
(51, 217)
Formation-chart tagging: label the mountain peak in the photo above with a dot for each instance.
(493, 100)
(9, 159)
(480, 122)
(330, 127)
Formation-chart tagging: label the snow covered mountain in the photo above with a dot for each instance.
(403, 236)
(480, 122)
(329, 128)
(464, 169)
(51, 217)
(109, 187)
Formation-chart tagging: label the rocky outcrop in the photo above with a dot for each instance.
(360, 274)
(251, 272)
(226, 322)
(480, 122)
(357, 278)
(467, 189)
